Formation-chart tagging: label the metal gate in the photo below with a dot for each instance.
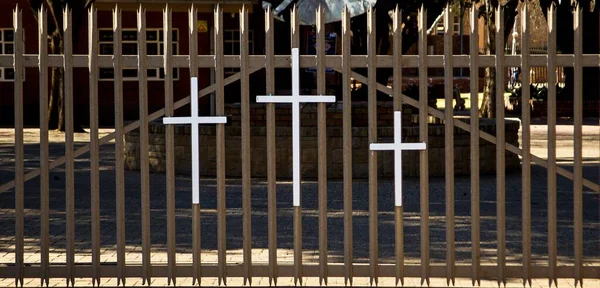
(223, 269)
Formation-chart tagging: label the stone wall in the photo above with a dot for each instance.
(335, 156)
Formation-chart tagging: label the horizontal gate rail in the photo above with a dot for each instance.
(287, 270)
(307, 61)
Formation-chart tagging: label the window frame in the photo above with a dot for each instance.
(234, 42)
(157, 41)
(3, 44)
(455, 26)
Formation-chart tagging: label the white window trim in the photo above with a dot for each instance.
(3, 69)
(455, 26)
(158, 30)
(232, 42)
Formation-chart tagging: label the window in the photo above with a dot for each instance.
(231, 45)
(7, 47)
(129, 42)
(456, 26)
(155, 46)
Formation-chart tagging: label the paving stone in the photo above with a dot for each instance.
(284, 199)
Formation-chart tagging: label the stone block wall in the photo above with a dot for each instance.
(309, 153)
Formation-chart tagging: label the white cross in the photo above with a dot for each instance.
(195, 121)
(397, 147)
(295, 99)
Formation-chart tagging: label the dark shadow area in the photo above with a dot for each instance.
(208, 196)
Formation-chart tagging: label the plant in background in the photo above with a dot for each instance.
(56, 105)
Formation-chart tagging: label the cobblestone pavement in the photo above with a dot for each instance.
(591, 204)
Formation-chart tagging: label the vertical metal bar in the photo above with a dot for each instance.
(474, 75)
(196, 223)
(69, 158)
(552, 231)
(399, 217)
(119, 157)
(220, 109)
(500, 147)
(526, 145)
(372, 116)
(449, 142)
(245, 111)
(144, 163)
(271, 148)
(44, 147)
(347, 145)
(295, 43)
(169, 145)
(577, 145)
(94, 142)
(423, 136)
(322, 140)
(19, 148)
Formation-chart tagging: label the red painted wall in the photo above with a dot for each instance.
(156, 93)
(30, 87)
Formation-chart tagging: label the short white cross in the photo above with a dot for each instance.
(194, 120)
(295, 99)
(397, 147)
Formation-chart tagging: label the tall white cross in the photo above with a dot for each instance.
(295, 99)
(195, 120)
(397, 147)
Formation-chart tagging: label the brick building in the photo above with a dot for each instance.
(129, 47)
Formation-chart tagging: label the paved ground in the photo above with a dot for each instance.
(312, 282)
(310, 220)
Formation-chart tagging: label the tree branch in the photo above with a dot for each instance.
(50, 5)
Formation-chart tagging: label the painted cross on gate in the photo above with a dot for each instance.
(195, 120)
(295, 99)
(397, 147)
